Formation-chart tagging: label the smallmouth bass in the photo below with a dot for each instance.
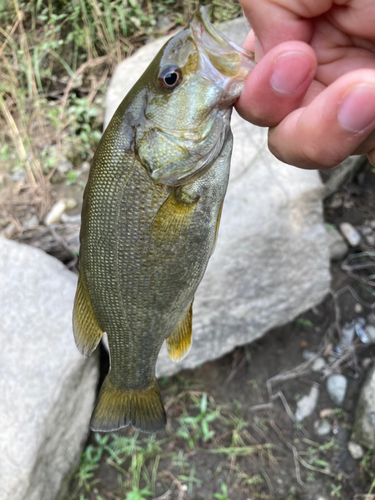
(151, 214)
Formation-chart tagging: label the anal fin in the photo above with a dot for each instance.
(179, 341)
(87, 332)
(116, 408)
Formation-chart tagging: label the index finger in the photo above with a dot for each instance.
(277, 21)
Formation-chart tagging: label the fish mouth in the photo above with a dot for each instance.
(221, 60)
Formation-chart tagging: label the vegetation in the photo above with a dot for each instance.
(56, 58)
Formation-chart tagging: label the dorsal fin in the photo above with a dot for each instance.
(179, 341)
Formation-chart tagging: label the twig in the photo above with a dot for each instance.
(294, 450)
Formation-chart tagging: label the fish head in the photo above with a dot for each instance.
(188, 93)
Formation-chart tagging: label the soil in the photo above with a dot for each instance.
(256, 448)
(238, 382)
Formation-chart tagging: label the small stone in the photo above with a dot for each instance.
(318, 365)
(184, 487)
(348, 333)
(71, 219)
(336, 387)
(306, 354)
(85, 167)
(9, 230)
(366, 363)
(358, 308)
(360, 331)
(371, 318)
(64, 165)
(71, 203)
(351, 234)
(370, 332)
(322, 427)
(31, 222)
(307, 404)
(337, 246)
(366, 230)
(336, 201)
(355, 450)
(18, 176)
(370, 239)
(55, 213)
(163, 23)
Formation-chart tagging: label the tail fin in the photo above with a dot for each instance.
(141, 408)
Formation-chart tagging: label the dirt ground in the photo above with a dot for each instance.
(232, 432)
(251, 446)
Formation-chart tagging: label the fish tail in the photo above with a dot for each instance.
(141, 408)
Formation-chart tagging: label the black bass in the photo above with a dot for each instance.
(151, 214)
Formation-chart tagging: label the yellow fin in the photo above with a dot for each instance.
(217, 226)
(87, 332)
(117, 408)
(173, 219)
(179, 341)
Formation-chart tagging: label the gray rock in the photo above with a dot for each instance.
(307, 404)
(355, 450)
(351, 234)
(271, 260)
(337, 246)
(348, 334)
(370, 332)
(319, 364)
(322, 427)
(47, 388)
(336, 387)
(364, 424)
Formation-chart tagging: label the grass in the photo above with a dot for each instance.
(241, 453)
(56, 58)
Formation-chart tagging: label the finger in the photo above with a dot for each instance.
(277, 84)
(249, 43)
(337, 123)
(276, 21)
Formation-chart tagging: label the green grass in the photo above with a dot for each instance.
(241, 450)
(56, 58)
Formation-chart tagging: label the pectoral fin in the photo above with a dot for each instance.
(179, 341)
(173, 219)
(87, 332)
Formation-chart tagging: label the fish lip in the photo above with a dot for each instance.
(201, 24)
(222, 61)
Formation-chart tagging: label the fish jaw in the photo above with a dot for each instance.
(221, 60)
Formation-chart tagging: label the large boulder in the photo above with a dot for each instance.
(364, 424)
(271, 260)
(47, 389)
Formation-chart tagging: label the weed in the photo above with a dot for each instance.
(224, 492)
(304, 322)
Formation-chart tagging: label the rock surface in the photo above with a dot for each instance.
(336, 387)
(47, 388)
(364, 424)
(271, 261)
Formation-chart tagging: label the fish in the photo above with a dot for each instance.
(150, 217)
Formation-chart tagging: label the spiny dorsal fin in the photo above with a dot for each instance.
(117, 408)
(87, 332)
(179, 341)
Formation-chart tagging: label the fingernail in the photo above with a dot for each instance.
(357, 110)
(290, 72)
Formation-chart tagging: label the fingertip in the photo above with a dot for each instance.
(277, 84)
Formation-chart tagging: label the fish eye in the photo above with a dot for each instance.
(170, 78)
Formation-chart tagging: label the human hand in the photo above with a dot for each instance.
(314, 85)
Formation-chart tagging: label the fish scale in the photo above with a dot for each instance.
(150, 217)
